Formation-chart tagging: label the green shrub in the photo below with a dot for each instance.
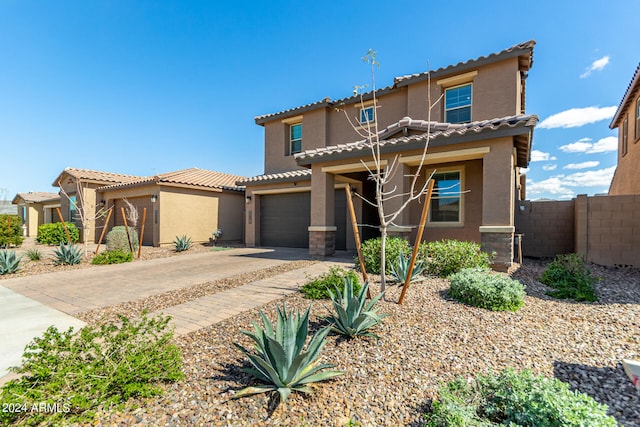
(371, 250)
(319, 287)
(352, 315)
(115, 256)
(10, 230)
(182, 243)
(279, 360)
(117, 239)
(446, 257)
(481, 288)
(54, 234)
(99, 365)
(33, 254)
(571, 278)
(515, 399)
(9, 262)
(67, 255)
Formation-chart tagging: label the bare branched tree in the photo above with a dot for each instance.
(385, 168)
(131, 213)
(86, 213)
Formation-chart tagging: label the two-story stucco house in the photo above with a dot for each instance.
(627, 120)
(480, 137)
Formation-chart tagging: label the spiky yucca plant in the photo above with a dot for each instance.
(9, 262)
(67, 254)
(182, 243)
(353, 316)
(400, 270)
(279, 360)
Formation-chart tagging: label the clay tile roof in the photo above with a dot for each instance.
(439, 131)
(523, 50)
(192, 177)
(92, 175)
(294, 175)
(37, 197)
(634, 85)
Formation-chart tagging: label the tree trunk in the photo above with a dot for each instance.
(383, 258)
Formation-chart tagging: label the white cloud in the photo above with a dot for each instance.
(564, 186)
(596, 65)
(583, 165)
(540, 156)
(576, 117)
(549, 167)
(584, 145)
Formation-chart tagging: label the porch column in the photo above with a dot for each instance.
(401, 182)
(498, 198)
(322, 231)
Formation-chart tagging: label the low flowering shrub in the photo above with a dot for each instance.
(484, 289)
(570, 277)
(371, 250)
(115, 256)
(320, 287)
(446, 257)
(515, 399)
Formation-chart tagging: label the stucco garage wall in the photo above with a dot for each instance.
(186, 211)
(231, 216)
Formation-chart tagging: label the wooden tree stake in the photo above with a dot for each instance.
(106, 222)
(416, 246)
(126, 228)
(144, 216)
(356, 236)
(66, 230)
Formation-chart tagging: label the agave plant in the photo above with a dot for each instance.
(279, 360)
(399, 271)
(9, 262)
(182, 243)
(353, 316)
(67, 254)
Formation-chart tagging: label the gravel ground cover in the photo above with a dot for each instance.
(427, 341)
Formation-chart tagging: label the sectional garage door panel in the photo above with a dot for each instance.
(285, 220)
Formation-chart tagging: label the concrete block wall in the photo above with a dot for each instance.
(547, 226)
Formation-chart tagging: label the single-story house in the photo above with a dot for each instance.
(36, 208)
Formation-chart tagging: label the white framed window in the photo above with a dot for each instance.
(367, 115)
(447, 204)
(72, 208)
(295, 138)
(457, 103)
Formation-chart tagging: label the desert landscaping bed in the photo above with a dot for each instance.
(427, 341)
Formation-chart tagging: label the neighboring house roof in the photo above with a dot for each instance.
(94, 176)
(520, 127)
(524, 51)
(192, 177)
(634, 86)
(36, 197)
(288, 176)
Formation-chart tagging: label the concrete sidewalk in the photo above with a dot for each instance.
(28, 305)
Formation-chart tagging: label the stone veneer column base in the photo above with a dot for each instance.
(322, 241)
(498, 240)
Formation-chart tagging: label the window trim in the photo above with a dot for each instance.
(470, 106)
(291, 140)
(449, 224)
(637, 129)
(373, 115)
(625, 137)
(73, 207)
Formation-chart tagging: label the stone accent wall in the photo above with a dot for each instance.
(502, 244)
(322, 243)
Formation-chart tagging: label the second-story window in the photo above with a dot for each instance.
(295, 138)
(637, 119)
(367, 115)
(458, 104)
(625, 137)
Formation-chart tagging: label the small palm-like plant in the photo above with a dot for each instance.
(353, 316)
(182, 243)
(9, 262)
(400, 270)
(279, 360)
(67, 254)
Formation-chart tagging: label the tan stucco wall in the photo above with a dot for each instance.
(129, 193)
(627, 177)
(90, 202)
(231, 216)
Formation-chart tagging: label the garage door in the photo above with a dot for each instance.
(285, 220)
(140, 203)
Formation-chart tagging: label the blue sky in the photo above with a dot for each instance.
(147, 87)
